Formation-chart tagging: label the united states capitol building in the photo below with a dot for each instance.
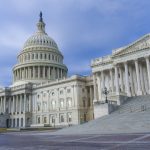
(43, 95)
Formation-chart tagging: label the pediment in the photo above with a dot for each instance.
(140, 44)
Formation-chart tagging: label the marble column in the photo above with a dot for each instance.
(33, 69)
(127, 79)
(16, 104)
(94, 82)
(43, 72)
(57, 73)
(131, 80)
(24, 103)
(39, 72)
(142, 79)
(4, 104)
(49, 73)
(13, 110)
(139, 92)
(116, 80)
(148, 71)
(121, 79)
(99, 86)
(111, 80)
(20, 103)
(91, 96)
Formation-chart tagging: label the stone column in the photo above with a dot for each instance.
(127, 79)
(29, 72)
(24, 103)
(94, 82)
(53, 74)
(48, 102)
(49, 72)
(91, 96)
(116, 80)
(61, 74)
(39, 73)
(20, 103)
(131, 80)
(57, 73)
(43, 72)
(9, 105)
(121, 79)
(99, 87)
(112, 81)
(139, 92)
(13, 104)
(30, 103)
(16, 104)
(33, 71)
(142, 79)
(4, 104)
(148, 71)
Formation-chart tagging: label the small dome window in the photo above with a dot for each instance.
(40, 56)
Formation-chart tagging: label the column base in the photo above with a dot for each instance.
(139, 92)
(128, 94)
(94, 100)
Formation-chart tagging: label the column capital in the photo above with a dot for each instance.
(136, 60)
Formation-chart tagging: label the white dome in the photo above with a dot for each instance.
(40, 60)
(40, 39)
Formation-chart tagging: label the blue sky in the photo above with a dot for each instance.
(83, 29)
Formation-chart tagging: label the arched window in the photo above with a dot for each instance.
(38, 120)
(69, 117)
(39, 107)
(45, 119)
(69, 102)
(53, 104)
(61, 103)
(61, 118)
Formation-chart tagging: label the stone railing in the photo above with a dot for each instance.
(101, 60)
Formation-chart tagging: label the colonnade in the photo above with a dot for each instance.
(16, 104)
(128, 78)
(39, 72)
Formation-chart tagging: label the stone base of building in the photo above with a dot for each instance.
(102, 109)
(4, 121)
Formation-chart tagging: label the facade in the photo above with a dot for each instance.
(125, 73)
(41, 93)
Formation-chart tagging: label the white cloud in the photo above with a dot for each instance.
(13, 36)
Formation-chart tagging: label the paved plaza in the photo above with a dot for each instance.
(46, 141)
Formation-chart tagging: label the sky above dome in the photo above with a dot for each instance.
(83, 29)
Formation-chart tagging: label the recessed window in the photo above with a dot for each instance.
(61, 92)
(40, 56)
(83, 90)
(68, 90)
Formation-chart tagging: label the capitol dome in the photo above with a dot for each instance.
(40, 59)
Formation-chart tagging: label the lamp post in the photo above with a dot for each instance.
(105, 92)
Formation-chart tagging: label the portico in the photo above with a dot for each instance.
(126, 72)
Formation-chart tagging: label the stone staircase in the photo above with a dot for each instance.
(122, 120)
(135, 104)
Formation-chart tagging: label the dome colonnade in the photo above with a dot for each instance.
(40, 60)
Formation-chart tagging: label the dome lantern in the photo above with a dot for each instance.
(41, 24)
